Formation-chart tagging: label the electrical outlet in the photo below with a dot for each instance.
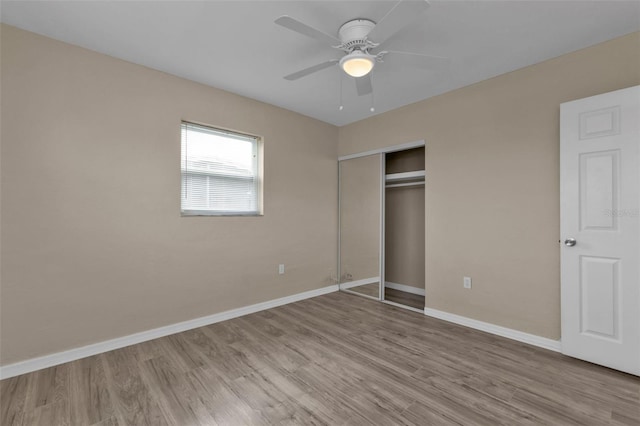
(281, 269)
(466, 282)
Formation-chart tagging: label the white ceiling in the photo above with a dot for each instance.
(235, 46)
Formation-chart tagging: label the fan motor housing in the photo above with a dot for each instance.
(354, 33)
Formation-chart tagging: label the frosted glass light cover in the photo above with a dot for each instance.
(357, 64)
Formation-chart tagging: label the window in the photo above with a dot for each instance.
(220, 172)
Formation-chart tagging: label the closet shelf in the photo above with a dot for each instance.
(398, 185)
(406, 176)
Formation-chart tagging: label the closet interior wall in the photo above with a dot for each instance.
(405, 224)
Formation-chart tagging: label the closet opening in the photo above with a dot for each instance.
(404, 228)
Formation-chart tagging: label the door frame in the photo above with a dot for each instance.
(383, 170)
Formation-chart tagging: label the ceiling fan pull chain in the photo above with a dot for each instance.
(372, 109)
(341, 77)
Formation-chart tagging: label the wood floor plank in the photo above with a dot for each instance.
(347, 338)
(181, 351)
(628, 418)
(47, 395)
(177, 399)
(52, 414)
(421, 413)
(270, 350)
(222, 403)
(230, 361)
(328, 407)
(132, 399)
(111, 421)
(209, 346)
(13, 394)
(337, 359)
(88, 393)
(47, 386)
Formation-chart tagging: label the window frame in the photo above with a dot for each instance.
(258, 150)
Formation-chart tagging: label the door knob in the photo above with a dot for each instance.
(570, 242)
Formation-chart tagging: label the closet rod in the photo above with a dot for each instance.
(396, 185)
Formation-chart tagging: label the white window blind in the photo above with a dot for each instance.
(220, 174)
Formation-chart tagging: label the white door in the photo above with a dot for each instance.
(600, 210)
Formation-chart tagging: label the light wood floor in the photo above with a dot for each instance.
(335, 359)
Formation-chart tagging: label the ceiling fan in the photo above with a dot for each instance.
(361, 41)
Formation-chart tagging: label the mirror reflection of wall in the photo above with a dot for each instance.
(360, 215)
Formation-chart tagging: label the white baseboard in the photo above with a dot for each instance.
(39, 363)
(532, 339)
(405, 288)
(356, 283)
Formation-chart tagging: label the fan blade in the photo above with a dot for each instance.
(363, 85)
(402, 14)
(311, 70)
(299, 27)
(395, 60)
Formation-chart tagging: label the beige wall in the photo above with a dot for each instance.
(493, 182)
(93, 245)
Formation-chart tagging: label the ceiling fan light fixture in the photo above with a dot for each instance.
(357, 63)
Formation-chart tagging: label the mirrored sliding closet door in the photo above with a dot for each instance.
(360, 225)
